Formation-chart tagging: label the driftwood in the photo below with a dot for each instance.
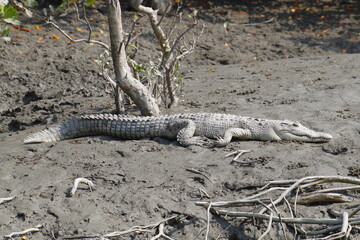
(135, 229)
(295, 192)
(24, 232)
(81, 180)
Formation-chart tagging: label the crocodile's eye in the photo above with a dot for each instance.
(295, 124)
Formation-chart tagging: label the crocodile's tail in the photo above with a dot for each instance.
(121, 126)
(67, 130)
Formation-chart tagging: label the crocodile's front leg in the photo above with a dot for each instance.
(230, 133)
(184, 130)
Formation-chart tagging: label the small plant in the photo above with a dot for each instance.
(9, 13)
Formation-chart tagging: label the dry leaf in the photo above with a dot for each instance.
(22, 29)
(54, 36)
(80, 30)
(40, 38)
(37, 27)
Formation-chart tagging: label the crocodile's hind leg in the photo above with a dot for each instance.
(184, 130)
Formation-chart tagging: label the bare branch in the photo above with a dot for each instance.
(133, 25)
(81, 180)
(199, 172)
(24, 232)
(344, 221)
(268, 228)
(137, 228)
(322, 178)
(84, 21)
(78, 40)
(7, 199)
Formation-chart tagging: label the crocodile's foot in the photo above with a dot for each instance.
(197, 140)
(238, 153)
(217, 142)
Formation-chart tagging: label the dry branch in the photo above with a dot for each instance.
(135, 229)
(238, 154)
(81, 180)
(7, 199)
(199, 172)
(268, 228)
(24, 232)
(323, 179)
(170, 54)
(89, 40)
(320, 198)
(308, 195)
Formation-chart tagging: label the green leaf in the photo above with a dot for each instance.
(10, 12)
(88, 3)
(4, 31)
(133, 46)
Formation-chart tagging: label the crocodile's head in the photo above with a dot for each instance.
(288, 130)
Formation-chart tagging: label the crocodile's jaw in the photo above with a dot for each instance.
(294, 131)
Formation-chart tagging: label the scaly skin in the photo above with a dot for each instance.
(188, 129)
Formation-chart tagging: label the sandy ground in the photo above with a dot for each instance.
(142, 182)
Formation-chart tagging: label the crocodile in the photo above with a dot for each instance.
(205, 129)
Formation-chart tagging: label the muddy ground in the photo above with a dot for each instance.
(302, 65)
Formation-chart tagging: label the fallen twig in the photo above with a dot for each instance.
(7, 199)
(138, 228)
(135, 229)
(268, 228)
(329, 221)
(208, 222)
(259, 23)
(199, 172)
(161, 233)
(320, 198)
(345, 227)
(26, 231)
(237, 154)
(81, 180)
(323, 179)
(297, 192)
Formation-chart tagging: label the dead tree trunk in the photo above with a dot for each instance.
(138, 93)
